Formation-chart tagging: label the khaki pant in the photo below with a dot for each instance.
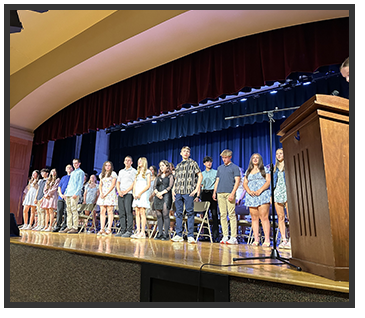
(40, 213)
(224, 207)
(72, 213)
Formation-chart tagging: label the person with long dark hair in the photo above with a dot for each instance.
(163, 199)
(108, 199)
(256, 183)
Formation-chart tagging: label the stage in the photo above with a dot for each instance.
(88, 268)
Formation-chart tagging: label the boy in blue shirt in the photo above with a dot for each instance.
(226, 185)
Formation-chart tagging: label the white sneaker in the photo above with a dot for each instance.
(232, 240)
(283, 244)
(288, 246)
(177, 238)
(224, 240)
(191, 240)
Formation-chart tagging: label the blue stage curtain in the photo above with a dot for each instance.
(242, 140)
(213, 119)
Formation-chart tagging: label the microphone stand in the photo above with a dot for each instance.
(274, 252)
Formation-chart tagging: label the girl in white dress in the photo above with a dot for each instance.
(28, 202)
(107, 196)
(141, 202)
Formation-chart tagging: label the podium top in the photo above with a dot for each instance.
(331, 103)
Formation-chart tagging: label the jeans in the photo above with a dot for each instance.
(125, 213)
(61, 211)
(180, 200)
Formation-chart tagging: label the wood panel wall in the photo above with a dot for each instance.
(20, 154)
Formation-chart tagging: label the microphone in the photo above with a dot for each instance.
(335, 93)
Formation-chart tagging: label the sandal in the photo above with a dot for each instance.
(266, 244)
(107, 232)
(101, 232)
(256, 243)
(141, 235)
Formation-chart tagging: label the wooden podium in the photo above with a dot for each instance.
(315, 141)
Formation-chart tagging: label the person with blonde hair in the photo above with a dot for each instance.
(256, 183)
(141, 202)
(226, 184)
(107, 199)
(280, 197)
(29, 200)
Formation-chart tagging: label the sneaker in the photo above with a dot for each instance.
(224, 240)
(232, 241)
(159, 237)
(120, 234)
(283, 244)
(73, 231)
(288, 246)
(191, 240)
(126, 234)
(177, 238)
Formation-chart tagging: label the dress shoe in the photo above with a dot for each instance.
(56, 229)
(73, 231)
(65, 230)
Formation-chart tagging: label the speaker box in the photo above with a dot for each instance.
(14, 230)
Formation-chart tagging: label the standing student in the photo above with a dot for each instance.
(61, 203)
(49, 202)
(141, 186)
(208, 183)
(186, 187)
(226, 185)
(107, 196)
(91, 195)
(29, 200)
(280, 197)
(39, 198)
(163, 199)
(256, 183)
(125, 182)
(72, 194)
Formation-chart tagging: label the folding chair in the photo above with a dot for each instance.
(202, 207)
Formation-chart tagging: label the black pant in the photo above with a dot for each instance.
(125, 213)
(61, 210)
(207, 195)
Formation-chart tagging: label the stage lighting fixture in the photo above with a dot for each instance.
(273, 92)
(243, 99)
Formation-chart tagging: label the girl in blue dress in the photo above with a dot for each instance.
(280, 197)
(256, 183)
(141, 195)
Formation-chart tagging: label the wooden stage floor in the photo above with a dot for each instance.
(183, 255)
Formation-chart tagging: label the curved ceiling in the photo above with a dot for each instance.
(64, 55)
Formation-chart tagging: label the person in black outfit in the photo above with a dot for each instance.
(163, 200)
